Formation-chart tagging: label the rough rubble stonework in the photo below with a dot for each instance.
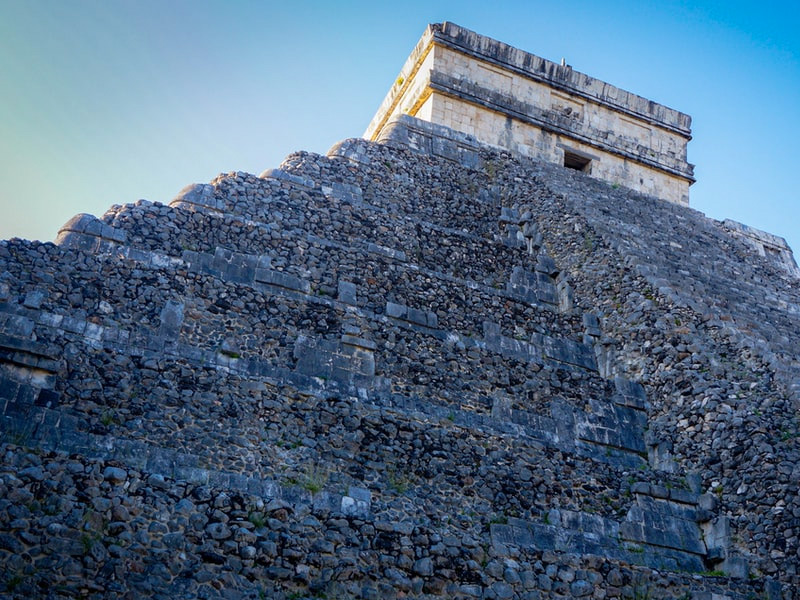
(415, 368)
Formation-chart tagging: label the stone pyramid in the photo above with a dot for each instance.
(414, 368)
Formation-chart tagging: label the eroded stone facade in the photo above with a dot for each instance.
(515, 100)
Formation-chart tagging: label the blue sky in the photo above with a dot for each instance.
(108, 101)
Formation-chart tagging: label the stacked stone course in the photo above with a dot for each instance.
(417, 368)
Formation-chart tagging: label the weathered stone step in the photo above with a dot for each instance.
(663, 534)
(557, 350)
(242, 541)
(409, 240)
(611, 431)
(646, 536)
(412, 239)
(534, 288)
(51, 430)
(62, 432)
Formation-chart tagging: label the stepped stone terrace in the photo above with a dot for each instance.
(419, 367)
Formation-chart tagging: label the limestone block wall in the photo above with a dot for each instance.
(530, 140)
(508, 98)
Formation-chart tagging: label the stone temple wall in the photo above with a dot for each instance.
(515, 100)
(411, 368)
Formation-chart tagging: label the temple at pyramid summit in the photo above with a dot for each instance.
(512, 99)
(486, 351)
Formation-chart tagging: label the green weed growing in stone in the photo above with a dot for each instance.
(108, 418)
(314, 478)
(88, 540)
(257, 518)
(498, 519)
(398, 482)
